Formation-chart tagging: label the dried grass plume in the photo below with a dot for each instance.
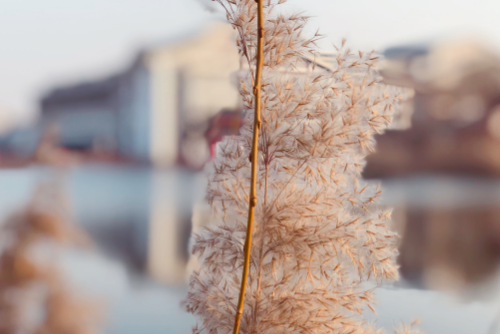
(34, 296)
(320, 243)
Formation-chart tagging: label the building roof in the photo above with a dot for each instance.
(91, 91)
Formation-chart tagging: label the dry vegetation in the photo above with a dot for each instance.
(320, 244)
(34, 297)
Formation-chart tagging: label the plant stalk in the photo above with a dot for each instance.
(254, 161)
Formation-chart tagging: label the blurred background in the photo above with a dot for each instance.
(117, 105)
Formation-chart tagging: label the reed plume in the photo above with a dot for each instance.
(34, 297)
(320, 243)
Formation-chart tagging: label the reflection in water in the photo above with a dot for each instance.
(447, 248)
(138, 215)
(140, 219)
(450, 229)
(117, 204)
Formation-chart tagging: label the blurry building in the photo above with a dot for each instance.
(85, 115)
(446, 165)
(165, 110)
(455, 125)
(158, 109)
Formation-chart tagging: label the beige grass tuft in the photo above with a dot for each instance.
(320, 243)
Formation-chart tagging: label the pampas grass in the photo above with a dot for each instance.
(34, 297)
(320, 243)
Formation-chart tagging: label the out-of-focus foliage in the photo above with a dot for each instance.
(34, 297)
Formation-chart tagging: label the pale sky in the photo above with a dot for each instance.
(46, 42)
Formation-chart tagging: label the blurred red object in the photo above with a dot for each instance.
(225, 123)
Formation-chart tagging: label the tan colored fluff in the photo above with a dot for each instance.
(34, 297)
(320, 243)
